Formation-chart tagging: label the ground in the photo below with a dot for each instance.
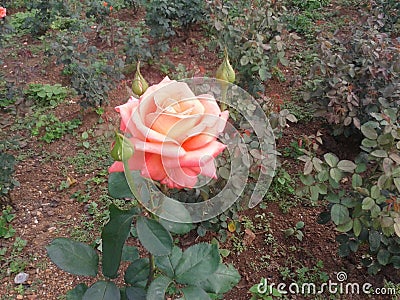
(55, 178)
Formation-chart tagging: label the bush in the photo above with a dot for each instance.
(252, 37)
(356, 77)
(363, 195)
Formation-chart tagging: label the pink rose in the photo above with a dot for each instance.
(174, 134)
(3, 12)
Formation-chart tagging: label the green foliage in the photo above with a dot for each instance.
(45, 12)
(358, 76)
(54, 129)
(252, 37)
(45, 95)
(11, 259)
(365, 209)
(165, 17)
(92, 72)
(6, 229)
(295, 231)
(137, 46)
(7, 182)
(308, 4)
(195, 272)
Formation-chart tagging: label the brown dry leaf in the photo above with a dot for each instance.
(249, 237)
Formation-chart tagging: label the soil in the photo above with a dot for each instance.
(44, 211)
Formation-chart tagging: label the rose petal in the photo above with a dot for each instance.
(165, 149)
(181, 177)
(172, 126)
(197, 141)
(208, 169)
(153, 168)
(126, 110)
(195, 158)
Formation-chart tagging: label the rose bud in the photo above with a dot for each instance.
(122, 148)
(225, 71)
(139, 84)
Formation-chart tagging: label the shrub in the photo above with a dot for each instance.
(252, 37)
(363, 195)
(164, 17)
(356, 77)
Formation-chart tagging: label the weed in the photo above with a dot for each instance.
(283, 190)
(54, 129)
(293, 151)
(6, 229)
(45, 95)
(238, 244)
(295, 231)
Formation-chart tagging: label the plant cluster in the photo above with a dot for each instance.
(252, 31)
(192, 273)
(356, 77)
(7, 165)
(45, 95)
(165, 18)
(92, 72)
(364, 208)
(54, 129)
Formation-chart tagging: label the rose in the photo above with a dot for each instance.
(3, 12)
(174, 134)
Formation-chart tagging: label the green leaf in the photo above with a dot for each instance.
(113, 236)
(153, 236)
(374, 240)
(331, 159)
(345, 227)
(222, 280)
(395, 260)
(175, 217)
(346, 166)
(197, 263)
(368, 203)
(344, 250)
(102, 290)
(336, 174)
(244, 60)
(135, 293)
(129, 253)
(77, 292)
(137, 271)
(168, 263)
(397, 183)
(383, 257)
(307, 179)
(375, 192)
(369, 132)
(178, 228)
(314, 192)
(158, 287)
(264, 74)
(356, 181)
(194, 293)
(379, 153)
(118, 187)
(357, 227)
(324, 217)
(369, 143)
(339, 214)
(73, 257)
